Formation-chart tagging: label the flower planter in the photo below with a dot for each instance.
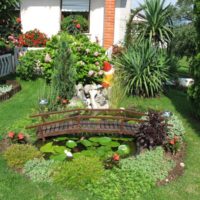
(16, 87)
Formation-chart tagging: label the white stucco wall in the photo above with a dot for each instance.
(44, 15)
(97, 20)
(122, 12)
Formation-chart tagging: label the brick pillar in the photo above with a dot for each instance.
(109, 23)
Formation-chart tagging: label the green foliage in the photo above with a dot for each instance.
(65, 72)
(9, 24)
(74, 24)
(197, 19)
(184, 41)
(184, 10)
(143, 68)
(123, 150)
(79, 172)
(156, 25)
(177, 128)
(57, 152)
(40, 170)
(135, 177)
(194, 90)
(71, 144)
(35, 64)
(18, 154)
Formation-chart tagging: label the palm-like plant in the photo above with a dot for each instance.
(143, 68)
(156, 24)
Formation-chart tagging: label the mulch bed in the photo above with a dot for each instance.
(16, 87)
(178, 170)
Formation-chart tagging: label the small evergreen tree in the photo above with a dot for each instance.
(64, 77)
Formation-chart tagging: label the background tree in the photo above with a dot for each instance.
(156, 24)
(184, 10)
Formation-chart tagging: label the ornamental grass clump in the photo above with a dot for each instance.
(144, 69)
(18, 154)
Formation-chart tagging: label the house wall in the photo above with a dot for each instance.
(44, 15)
(122, 12)
(97, 20)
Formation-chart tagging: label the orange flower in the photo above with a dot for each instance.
(105, 85)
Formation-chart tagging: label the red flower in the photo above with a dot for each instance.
(116, 157)
(18, 20)
(11, 135)
(172, 142)
(78, 26)
(20, 136)
(64, 101)
(107, 66)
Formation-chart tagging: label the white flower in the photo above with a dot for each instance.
(96, 53)
(182, 164)
(91, 73)
(68, 154)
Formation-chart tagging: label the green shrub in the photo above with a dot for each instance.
(40, 170)
(74, 24)
(136, 176)
(36, 63)
(177, 129)
(18, 154)
(194, 90)
(144, 69)
(79, 172)
(88, 56)
(64, 77)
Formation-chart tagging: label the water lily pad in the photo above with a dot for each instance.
(123, 149)
(104, 140)
(47, 148)
(59, 149)
(86, 143)
(114, 144)
(71, 144)
(94, 139)
(58, 157)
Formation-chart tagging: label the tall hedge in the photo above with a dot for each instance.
(194, 90)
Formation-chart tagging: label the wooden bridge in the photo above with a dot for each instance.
(91, 121)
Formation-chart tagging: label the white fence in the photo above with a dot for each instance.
(7, 64)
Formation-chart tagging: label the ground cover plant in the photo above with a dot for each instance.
(175, 101)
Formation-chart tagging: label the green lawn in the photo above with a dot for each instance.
(14, 186)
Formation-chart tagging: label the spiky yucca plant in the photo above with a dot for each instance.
(144, 69)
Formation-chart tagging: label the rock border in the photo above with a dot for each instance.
(16, 87)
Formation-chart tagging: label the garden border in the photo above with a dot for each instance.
(16, 87)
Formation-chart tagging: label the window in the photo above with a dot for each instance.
(75, 5)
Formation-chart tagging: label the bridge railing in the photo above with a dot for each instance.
(119, 116)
